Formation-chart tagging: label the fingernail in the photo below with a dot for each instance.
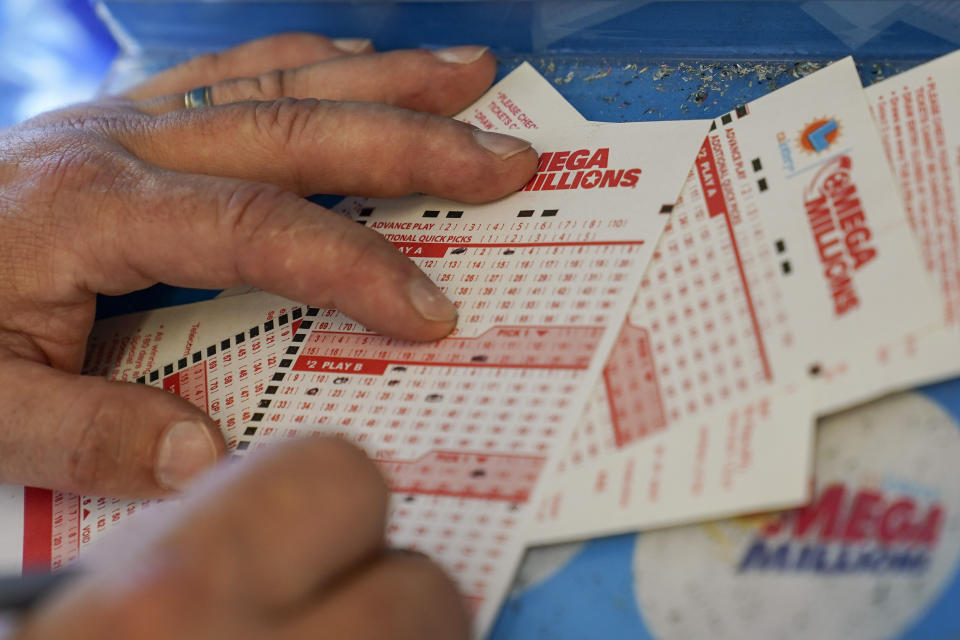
(503, 145)
(430, 302)
(461, 55)
(352, 45)
(185, 451)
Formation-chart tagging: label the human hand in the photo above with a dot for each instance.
(113, 196)
(286, 546)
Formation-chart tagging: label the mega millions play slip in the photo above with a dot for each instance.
(782, 278)
(464, 428)
(918, 115)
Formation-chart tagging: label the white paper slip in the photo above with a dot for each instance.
(193, 351)
(463, 427)
(786, 261)
(167, 345)
(756, 456)
(126, 347)
(522, 101)
(918, 115)
(11, 530)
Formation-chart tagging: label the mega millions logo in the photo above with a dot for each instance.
(840, 230)
(580, 169)
(850, 529)
(869, 555)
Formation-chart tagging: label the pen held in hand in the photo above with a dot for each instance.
(19, 594)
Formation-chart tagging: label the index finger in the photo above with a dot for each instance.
(348, 148)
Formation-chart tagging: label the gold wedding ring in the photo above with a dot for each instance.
(196, 98)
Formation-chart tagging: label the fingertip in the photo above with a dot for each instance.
(507, 163)
(353, 45)
(186, 449)
(430, 302)
(500, 144)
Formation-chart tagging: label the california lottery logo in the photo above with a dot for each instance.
(819, 135)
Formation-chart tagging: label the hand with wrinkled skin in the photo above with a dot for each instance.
(287, 546)
(113, 196)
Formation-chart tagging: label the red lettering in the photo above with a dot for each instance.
(536, 183)
(630, 178)
(544, 160)
(556, 164)
(591, 179)
(897, 522)
(564, 183)
(825, 509)
(863, 513)
(578, 160)
(928, 531)
(611, 178)
(599, 159)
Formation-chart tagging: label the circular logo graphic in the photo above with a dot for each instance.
(819, 135)
(871, 552)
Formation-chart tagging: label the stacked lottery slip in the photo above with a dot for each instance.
(918, 115)
(774, 293)
(650, 436)
(464, 428)
(217, 354)
(220, 370)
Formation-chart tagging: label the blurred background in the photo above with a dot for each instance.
(52, 52)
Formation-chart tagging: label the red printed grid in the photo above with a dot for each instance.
(500, 347)
(498, 391)
(709, 301)
(223, 379)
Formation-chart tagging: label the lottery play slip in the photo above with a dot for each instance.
(624, 359)
(462, 428)
(918, 114)
(773, 292)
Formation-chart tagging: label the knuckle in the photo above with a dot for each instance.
(91, 463)
(283, 125)
(271, 85)
(364, 250)
(247, 209)
(284, 121)
(57, 160)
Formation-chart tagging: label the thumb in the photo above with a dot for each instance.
(92, 436)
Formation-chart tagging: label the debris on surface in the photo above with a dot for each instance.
(597, 76)
(877, 73)
(679, 89)
(663, 72)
